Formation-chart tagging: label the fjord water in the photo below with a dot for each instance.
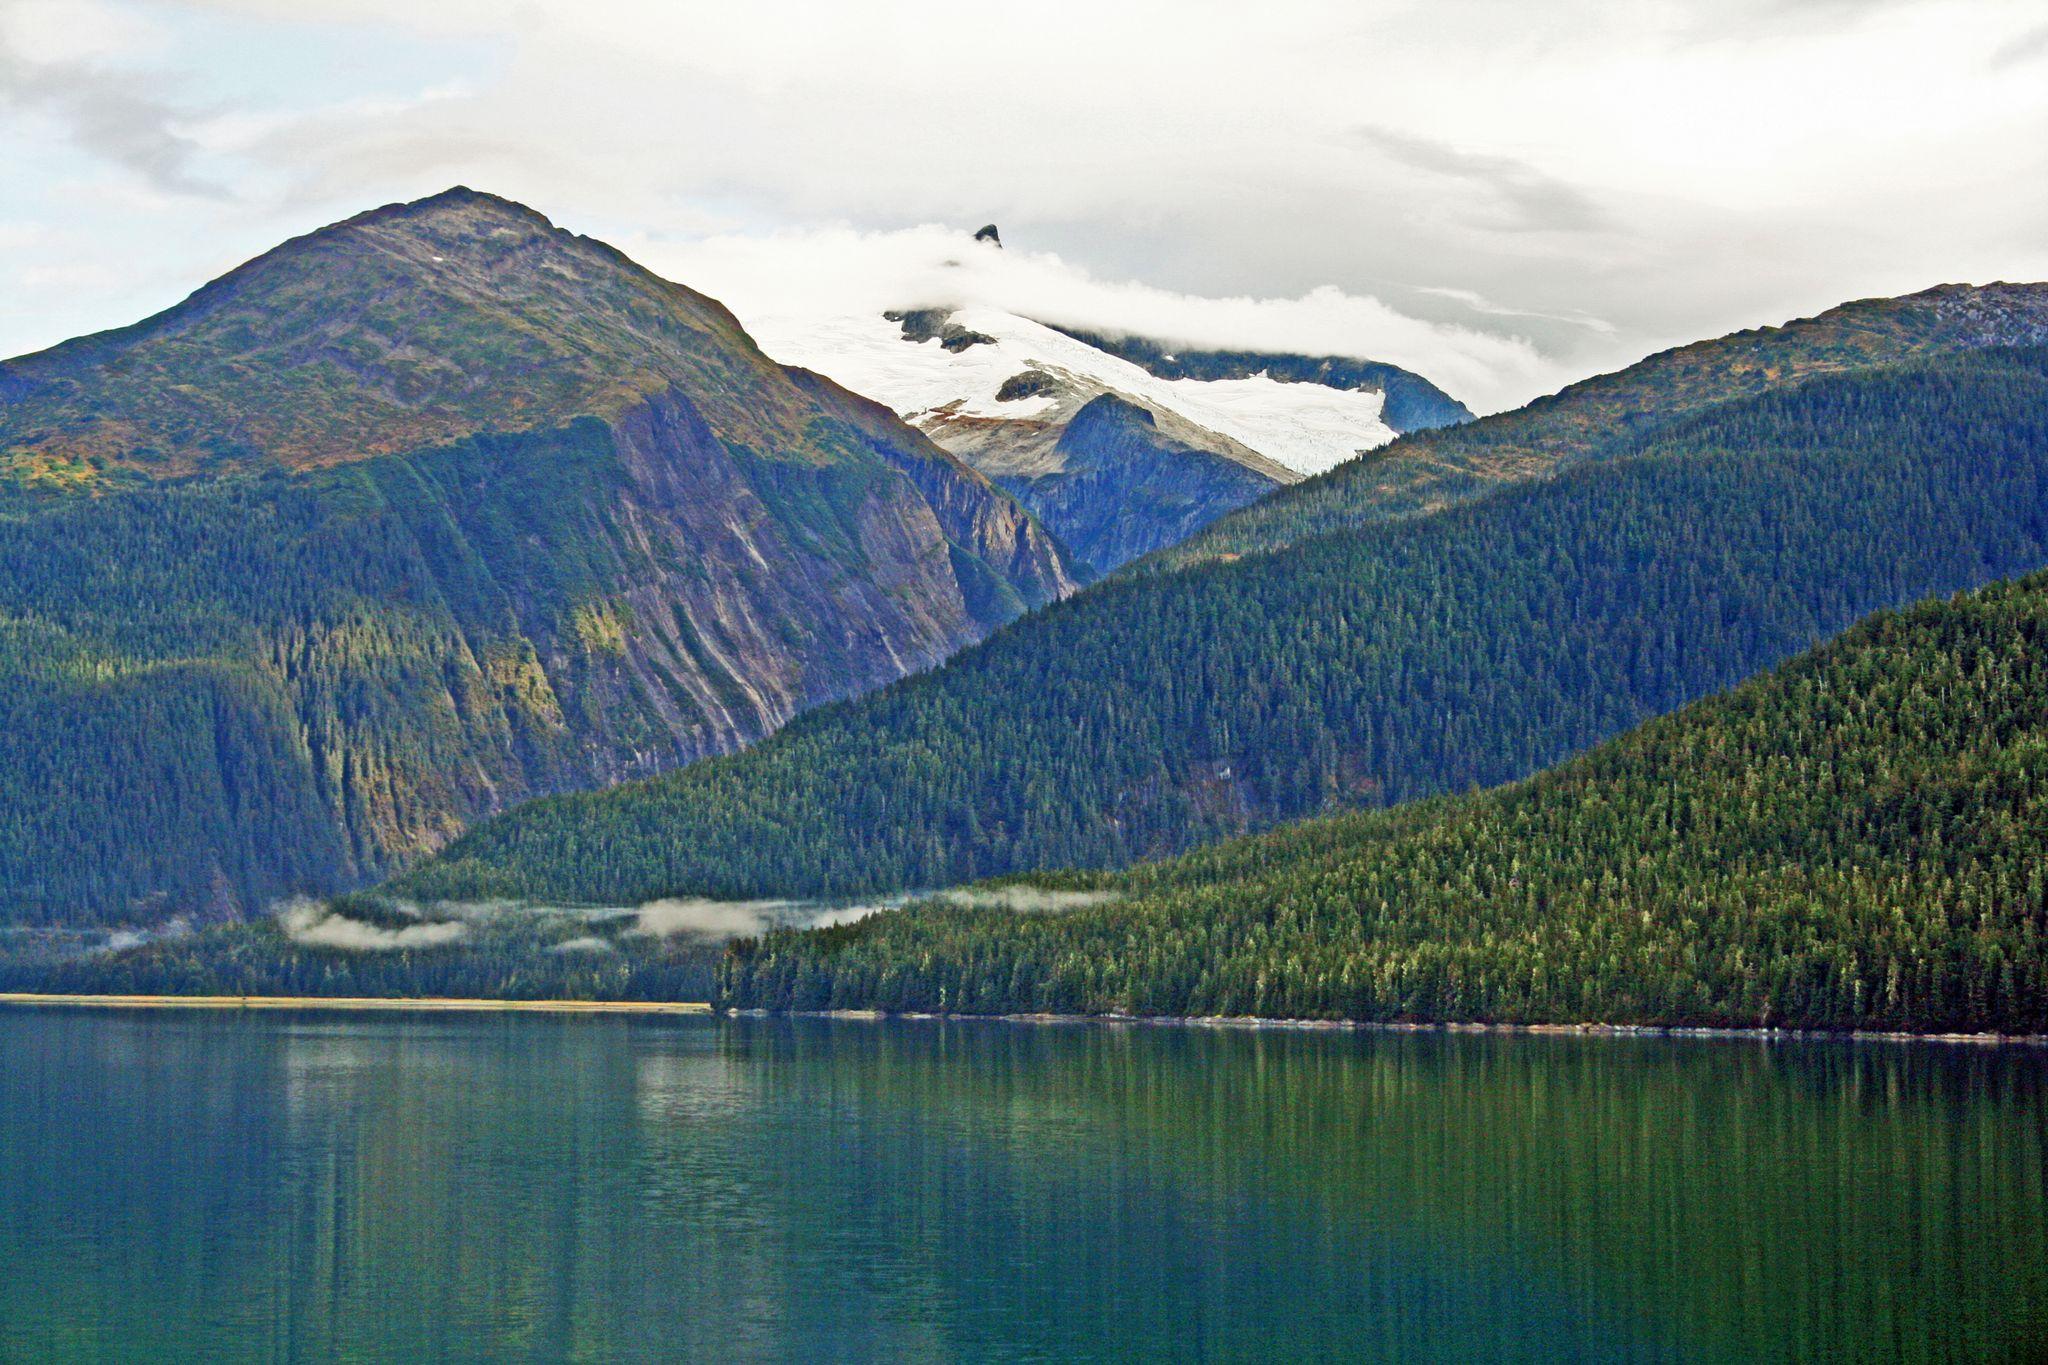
(193, 1185)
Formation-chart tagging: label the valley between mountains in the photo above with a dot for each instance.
(443, 604)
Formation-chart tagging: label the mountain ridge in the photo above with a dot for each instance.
(459, 508)
(1380, 663)
(998, 387)
(1430, 470)
(1851, 841)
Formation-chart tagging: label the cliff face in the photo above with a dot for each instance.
(425, 514)
(1120, 486)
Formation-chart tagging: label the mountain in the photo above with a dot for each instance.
(1409, 402)
(417, 516)
(1121, 480)
(1393, 660)
(1002, 391)
(1857, 840)
(1612, 412)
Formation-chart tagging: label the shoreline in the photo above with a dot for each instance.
(1585, 1030)
(703, 1009)
(360, 1003)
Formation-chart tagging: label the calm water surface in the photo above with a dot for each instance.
(221, 1186)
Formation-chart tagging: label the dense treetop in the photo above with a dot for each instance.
(1377, 665)
(1613, 413)
(1856, 840)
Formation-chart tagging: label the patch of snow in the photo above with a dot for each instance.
(1307, 427)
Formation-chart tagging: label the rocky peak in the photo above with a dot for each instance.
(401, 327)
(924, 324)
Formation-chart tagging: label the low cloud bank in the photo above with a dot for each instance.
(121, 940)
(784, 285)
(318, 924)
(699, 918)
(587, 943)
(315, 925)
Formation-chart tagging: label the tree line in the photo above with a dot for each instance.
(1365, 668)
(1857, 840)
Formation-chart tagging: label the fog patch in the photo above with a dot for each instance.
(700, 918)
(1025, 900)
(313, 924)
(123, 940)
(797, 290)
(587, 943)
(848, 914)
(596, 929)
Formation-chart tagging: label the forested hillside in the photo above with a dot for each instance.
(1612, 415)
(1857, 840)
(509, 957)
(1382, 664)
(418, 516)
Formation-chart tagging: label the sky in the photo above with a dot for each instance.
(1503, 196)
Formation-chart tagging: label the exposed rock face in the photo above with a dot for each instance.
(987, 233)
(1025, 384)
(440, 509)
(742, 615)
(1125, 488)
(928, 324)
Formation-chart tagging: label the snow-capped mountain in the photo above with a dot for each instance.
(1187, 436)
(942, 367)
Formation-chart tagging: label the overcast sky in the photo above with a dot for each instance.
(1502, 195)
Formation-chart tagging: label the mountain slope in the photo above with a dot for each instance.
(417, 516)
(1118, 483)
(1154, 712)
(1857, 840)
(1000, 390)
(1614, 412)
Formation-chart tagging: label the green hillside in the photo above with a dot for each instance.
(1157, 712)
(400, 328)
(1611, 415)
(416, 517)
(1856, 840)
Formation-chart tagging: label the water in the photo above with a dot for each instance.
(227, 1186)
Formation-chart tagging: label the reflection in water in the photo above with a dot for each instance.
(551, 1188)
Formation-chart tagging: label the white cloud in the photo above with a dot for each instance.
(316, 925)
(699, 918)
(587, 943)
(67, 31)
(778, 283)
(1671, 168)
(1027, 900)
